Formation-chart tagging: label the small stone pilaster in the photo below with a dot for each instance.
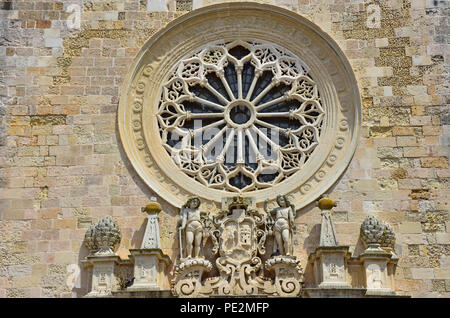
(149, 261)
(103, 277)
(329, 260)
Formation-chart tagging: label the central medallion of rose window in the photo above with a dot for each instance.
(240, 116)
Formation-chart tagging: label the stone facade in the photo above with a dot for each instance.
(63, 167)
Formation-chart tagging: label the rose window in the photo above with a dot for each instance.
(240, 116)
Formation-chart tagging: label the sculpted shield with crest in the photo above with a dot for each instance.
(240, 236)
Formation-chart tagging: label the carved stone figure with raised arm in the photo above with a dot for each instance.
(191, 222)
(283, 218)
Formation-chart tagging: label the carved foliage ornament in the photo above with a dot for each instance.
(102, 238)
(262, 103)
(375, 231)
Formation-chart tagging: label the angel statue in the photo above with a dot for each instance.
(191, 221)
(283, 224)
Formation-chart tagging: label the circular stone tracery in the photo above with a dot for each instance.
(240, 116)
(150, 83)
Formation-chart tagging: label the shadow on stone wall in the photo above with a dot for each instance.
(138, 236)
(81, 288)
(359, 247)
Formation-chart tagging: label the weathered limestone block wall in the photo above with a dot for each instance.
(62, 166)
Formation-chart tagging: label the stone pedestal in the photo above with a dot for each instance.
(329, 259)
(149, 261)
(103, 277)
(149, 267)
(330, 266)
(375, 262)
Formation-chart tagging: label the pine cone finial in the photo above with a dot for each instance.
(103, 237)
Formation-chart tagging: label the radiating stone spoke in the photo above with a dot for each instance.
(227, 87)
(217, 94)
(271, 115)
(239, 79)
(263, 93)
(266, 139)
(272, 102)
(203, 128)
(205, 115)
(270, 126)
(253, 144)
(240, 146)
(209, 103)
(252, 86)
(230, 138)
(206, 147)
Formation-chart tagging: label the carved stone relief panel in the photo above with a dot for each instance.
(333, 268)
(102, 279)
(147, 269)
(376, 274)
